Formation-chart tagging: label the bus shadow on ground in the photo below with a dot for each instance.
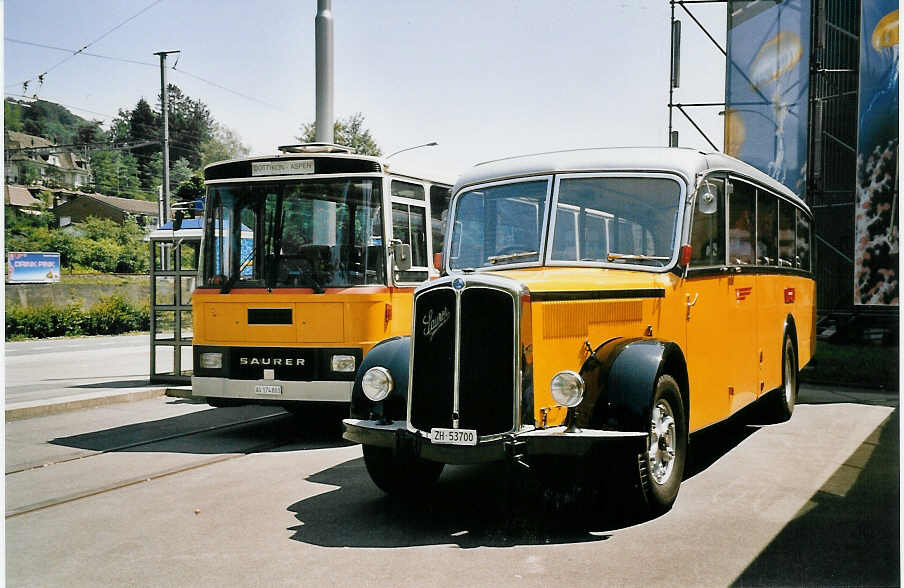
(488, 505)
(848, 533)
(244, 429)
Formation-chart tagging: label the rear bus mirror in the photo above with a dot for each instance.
(708, 199)
(401, 256)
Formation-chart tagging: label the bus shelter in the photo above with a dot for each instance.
(175, 255)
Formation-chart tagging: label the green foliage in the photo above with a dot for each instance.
(223, 144)
(12, 115)
(349, 132)
(31, 173)
(97, 244)
(180, 171)
(109, 316)
(45, 119)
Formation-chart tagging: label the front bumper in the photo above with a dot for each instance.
(317, 391)
(551, 441)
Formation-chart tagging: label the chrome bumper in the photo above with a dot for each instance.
(551, 441)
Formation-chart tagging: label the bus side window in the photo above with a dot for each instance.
(741, 206)
(802, 259)
(439, 213)
(409, 226)
(786, 234)
(708, 227)
(766, 228)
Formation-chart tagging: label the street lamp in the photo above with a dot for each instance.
(430, 144)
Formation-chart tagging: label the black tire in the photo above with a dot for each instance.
(661, 468)
(780, 406)
(400, 475)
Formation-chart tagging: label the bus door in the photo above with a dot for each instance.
(409, 225)
(707, 306)
(741, 293)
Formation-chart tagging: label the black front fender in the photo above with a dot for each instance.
(391, 354)
(620, 380)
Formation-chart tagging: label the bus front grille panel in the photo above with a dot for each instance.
(486, 361)
(433, 373)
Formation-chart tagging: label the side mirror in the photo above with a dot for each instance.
(707, 199)
(401, 256)
(177, 220)
(438, 261)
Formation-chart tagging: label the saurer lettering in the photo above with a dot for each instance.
(298, 361)
(433, 323)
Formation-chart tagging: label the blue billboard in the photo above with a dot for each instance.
(876, 229)
(767, 87)
(29, 267)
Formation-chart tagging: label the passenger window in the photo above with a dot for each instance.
(565, 246)
(802, 260)
(409, 226)
(708, 228)
(439, 213)
(766, 229)
(740, 223)
(407, 190)
(786, 226)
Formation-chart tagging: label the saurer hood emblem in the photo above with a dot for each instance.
(434, 322)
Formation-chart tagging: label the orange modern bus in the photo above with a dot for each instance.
(597, 304)
(309, 257)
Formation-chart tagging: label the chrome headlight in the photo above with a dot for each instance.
(567, 388)
(342, 363)
(212, 361)
(376, 383)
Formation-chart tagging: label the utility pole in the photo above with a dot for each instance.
(323, 45)
(165, 98)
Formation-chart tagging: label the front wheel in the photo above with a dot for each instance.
(661, 466)
(400, 475)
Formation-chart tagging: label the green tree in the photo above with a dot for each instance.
(190, 125)
(12, 115)
(31, 173)
(104, 171)
(349, 132)
(223, 144)
(179, 172)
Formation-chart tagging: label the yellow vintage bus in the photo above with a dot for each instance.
(309, 258)
(595, 304)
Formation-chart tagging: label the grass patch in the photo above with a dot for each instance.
(865, 366)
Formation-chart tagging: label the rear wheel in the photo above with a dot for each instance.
(781, 405)
(400, 475)
(661, 466)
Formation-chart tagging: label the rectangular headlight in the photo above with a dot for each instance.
(343, 363)
(212, 361)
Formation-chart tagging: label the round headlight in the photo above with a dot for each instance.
(567, 388)
(376, 383)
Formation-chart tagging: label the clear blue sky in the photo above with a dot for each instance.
(485, 79)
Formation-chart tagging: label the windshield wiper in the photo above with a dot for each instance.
(628, 257)
(494, 259)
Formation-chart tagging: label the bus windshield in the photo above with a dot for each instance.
(610, 220)
(310, 234)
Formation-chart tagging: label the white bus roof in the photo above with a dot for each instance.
(683, 161)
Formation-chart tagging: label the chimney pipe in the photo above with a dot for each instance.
(323, 42)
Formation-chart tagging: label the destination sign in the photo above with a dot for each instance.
(287, 167)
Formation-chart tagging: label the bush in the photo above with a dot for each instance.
(111, 316)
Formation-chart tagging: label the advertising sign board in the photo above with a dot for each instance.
(876, 230)
(31, 267)
(767, 86)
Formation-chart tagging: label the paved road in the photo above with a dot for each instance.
(41, 370)
(167, 492)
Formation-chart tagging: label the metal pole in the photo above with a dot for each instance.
(671, 68)
(323, 45)
(165, 99)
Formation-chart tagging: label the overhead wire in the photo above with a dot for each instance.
(146, 63)
(40, 77)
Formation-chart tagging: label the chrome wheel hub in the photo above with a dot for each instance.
(789, 379)
(661, 452)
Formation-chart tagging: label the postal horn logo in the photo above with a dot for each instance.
(743, 293)
(434, 322)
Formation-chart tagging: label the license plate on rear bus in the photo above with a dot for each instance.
(454, 436)
(268, 389)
